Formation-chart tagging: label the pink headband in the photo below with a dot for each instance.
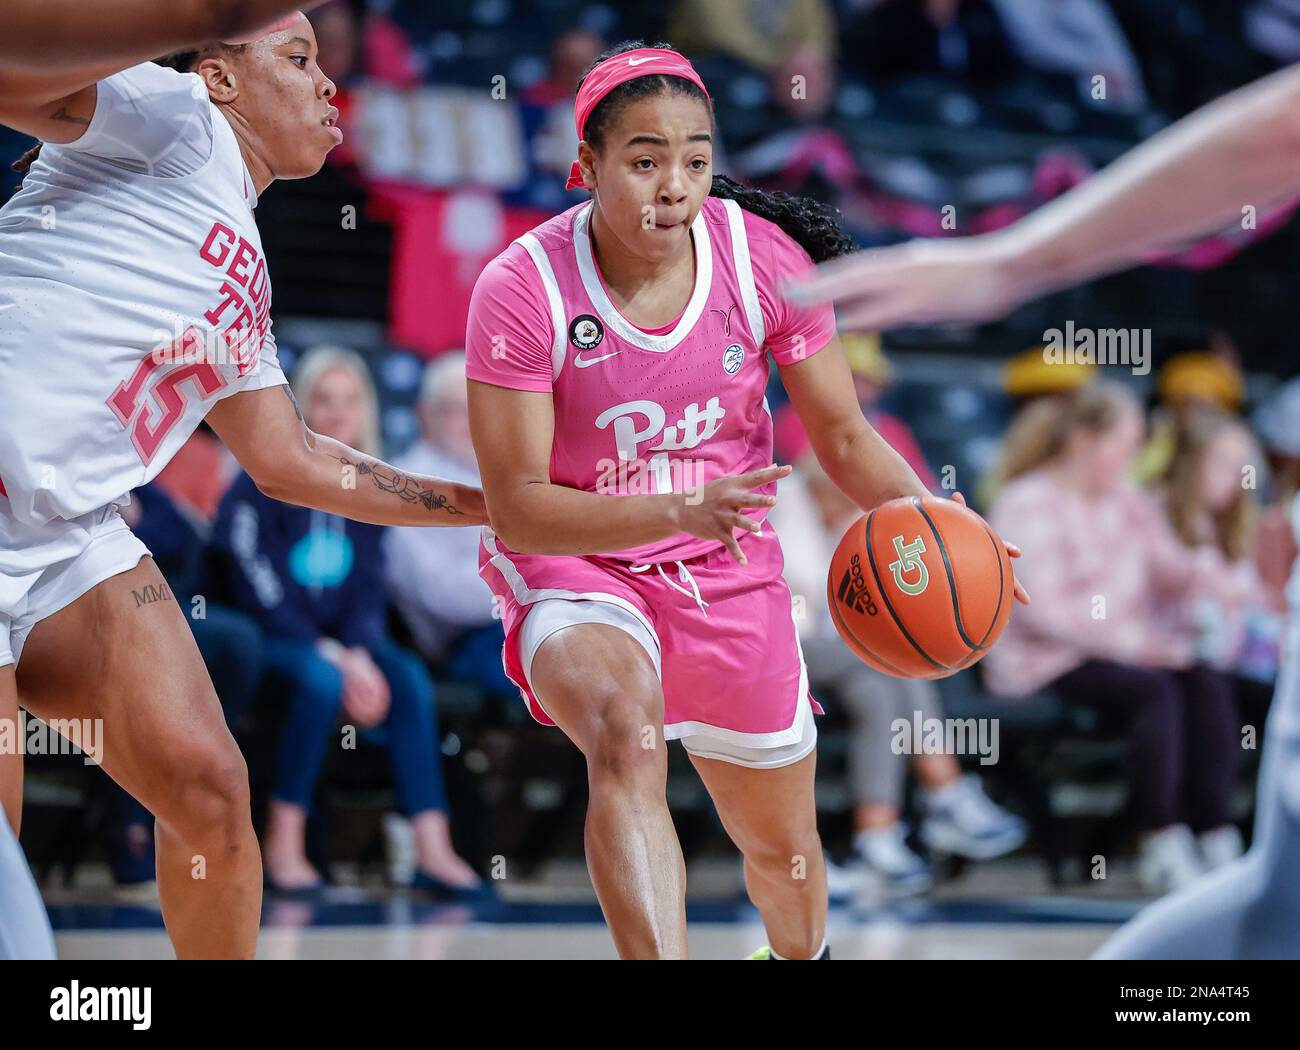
(644, 62)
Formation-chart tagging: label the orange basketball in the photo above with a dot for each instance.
(920, 588)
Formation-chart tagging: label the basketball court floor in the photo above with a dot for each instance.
(1001, 910)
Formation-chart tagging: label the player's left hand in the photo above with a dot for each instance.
(1022, 595)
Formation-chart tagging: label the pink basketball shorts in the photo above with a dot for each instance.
(721, 636)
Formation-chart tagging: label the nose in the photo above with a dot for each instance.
(673, 190)
(327, 88)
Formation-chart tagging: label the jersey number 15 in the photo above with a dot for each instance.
(153, 400)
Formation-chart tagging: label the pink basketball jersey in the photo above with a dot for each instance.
(640, 412)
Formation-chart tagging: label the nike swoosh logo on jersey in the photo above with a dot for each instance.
(580, 363)
(640, 61)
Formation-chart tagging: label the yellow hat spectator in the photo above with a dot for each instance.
(1030, 374)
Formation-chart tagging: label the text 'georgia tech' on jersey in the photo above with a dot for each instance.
(134, 295)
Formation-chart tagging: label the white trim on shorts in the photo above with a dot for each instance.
(753, 750)
(112, 549)
(525, 595)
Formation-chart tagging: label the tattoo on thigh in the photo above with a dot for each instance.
(152, 594)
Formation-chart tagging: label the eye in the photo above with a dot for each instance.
(699, 164)
(646, 161)
(300, 60)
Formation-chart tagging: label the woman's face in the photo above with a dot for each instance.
(337, 407)
(275, 87)
(1101, 459)
(653, 173)
(1228, 453)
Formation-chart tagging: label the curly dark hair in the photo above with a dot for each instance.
(813, 225)
(181, 61)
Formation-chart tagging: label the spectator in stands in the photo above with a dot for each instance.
(1207, 380)
(781, 39)
(1104, 567)
(434, 580)
(546, 109)
(1209, 497)
(1080, 38)
(314, 583)
(958, 818)
(963, 39)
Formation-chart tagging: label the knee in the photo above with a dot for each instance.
(209, 795)
(785, 853)
(623, 741)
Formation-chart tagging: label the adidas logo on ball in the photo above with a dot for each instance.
(853, 589)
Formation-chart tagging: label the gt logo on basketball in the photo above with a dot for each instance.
(853, 589)
(909, 560)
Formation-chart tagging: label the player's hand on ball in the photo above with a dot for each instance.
(716, 510)
(1022, 595)
(919, 282)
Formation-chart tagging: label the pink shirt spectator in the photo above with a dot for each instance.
(1110, 580)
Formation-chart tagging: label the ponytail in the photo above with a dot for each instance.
(24, 163)
(814, 226)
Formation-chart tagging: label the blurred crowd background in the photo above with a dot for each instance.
(1152, 506)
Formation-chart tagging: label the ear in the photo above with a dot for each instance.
(220, 79)
(587, 162)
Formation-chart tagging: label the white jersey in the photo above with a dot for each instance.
(133, 296)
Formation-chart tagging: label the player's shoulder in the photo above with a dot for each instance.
(773, 253)
(151, 80)
(556, 233)
(761, 231)
(515, 262)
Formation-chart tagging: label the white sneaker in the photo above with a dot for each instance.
(883, 853)
(1220, 846)
(960, 819)
(1167, 859)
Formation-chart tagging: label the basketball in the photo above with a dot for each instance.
(920, 587)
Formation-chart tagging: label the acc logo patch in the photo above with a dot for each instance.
(732, 358)
(586, 332)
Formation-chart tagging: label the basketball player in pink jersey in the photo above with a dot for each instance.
(620, 350)
(135, 302)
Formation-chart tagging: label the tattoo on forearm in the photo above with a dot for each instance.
(67, 118)
(152, 594)
(405, 488)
